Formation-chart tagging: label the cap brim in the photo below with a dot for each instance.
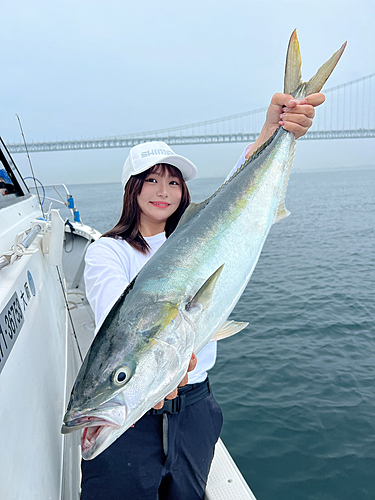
(187, 168)
(138, 165)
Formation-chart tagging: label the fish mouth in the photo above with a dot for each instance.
(93, 429)
(86, 422)
(97, 424)
(90, 438)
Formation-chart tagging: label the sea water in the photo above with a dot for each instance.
(297, 386)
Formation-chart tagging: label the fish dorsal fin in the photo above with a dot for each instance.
(202, 299)
(293, 74)
(228, 329)
(191, 210)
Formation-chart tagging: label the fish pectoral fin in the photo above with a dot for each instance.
(228, 329)
(203, 298)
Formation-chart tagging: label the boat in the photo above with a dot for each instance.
(46, 328)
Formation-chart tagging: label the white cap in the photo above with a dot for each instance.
(146, 155)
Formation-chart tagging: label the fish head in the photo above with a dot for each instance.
(131, 366)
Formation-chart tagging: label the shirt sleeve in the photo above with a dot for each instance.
(106, 277)
(241, 160)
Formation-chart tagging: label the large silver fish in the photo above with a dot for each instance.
(182, 297)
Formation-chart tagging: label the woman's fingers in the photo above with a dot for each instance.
(295, 128)
(297, 116)
(159, 406)
(285, 100)
(314, 99)
(172, 394)
(301, 109)
(298, 119)
(192, 365)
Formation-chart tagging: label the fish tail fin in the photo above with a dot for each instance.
(293, 75)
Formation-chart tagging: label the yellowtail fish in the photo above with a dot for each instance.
(182, 297)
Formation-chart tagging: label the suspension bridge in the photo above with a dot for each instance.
(348, 113)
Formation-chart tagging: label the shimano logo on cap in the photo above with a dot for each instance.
(149, 152)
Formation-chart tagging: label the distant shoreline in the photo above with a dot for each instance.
(294, 172)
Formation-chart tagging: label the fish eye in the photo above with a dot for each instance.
(122, 375)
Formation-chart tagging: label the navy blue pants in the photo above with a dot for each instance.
(135, 466)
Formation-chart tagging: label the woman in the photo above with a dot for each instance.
(168, 453)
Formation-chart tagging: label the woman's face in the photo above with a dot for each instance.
(159, 198)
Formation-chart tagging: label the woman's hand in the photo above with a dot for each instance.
(184, 381)
(292, 114)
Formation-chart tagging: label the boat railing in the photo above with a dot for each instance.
(65, 198)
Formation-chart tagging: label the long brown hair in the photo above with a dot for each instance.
(127, 228)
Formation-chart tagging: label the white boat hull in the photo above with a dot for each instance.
(39, 360)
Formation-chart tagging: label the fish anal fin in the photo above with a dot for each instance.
(228, 329)
(282, 213)
(202, 299)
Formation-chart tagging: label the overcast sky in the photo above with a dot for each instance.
(85, 69)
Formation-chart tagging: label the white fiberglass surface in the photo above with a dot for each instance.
(32, 382)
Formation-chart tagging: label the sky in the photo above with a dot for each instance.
(90, 69)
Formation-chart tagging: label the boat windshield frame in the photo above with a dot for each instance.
(12, 186)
